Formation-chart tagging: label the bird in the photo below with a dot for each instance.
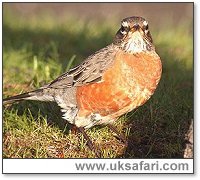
(109, 83)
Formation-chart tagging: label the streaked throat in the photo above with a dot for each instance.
(136, 43)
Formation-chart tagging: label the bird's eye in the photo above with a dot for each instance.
(146, 27)
(124, 30)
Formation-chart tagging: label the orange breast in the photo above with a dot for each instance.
(127, 84)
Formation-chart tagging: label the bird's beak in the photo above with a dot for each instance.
(136, 27)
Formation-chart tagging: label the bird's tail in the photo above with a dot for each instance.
(33, 95)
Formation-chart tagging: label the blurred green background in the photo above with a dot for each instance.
(43, 40)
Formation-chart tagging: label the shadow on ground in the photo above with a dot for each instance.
(58, 44)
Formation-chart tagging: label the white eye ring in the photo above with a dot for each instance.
(146, 31)
(123, 32)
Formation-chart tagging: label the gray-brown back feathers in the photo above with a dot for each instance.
(63, 89)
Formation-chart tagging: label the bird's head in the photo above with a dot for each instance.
(134, 35)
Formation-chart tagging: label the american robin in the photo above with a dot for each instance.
(109, 83)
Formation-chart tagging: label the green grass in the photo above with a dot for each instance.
(37, 50)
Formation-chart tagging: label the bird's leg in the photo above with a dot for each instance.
(121, 136)
(89, 142)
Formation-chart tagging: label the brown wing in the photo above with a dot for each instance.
(88, 71)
